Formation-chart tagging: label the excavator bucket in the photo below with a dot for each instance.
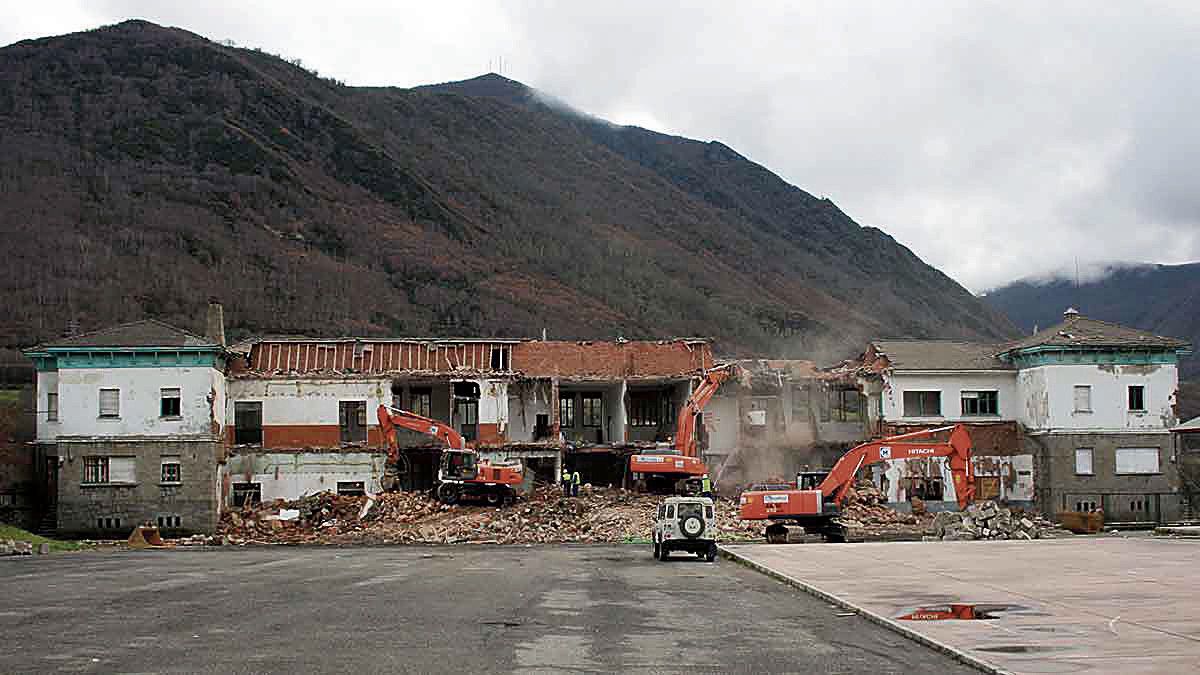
(146, 536)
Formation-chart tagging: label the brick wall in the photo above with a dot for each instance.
(614, 360)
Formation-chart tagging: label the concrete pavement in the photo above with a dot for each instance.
(1079, 605)
(478, 609)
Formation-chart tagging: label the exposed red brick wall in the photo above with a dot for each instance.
(611, 359)
(374, 357)
(489, 434)
(311, 436)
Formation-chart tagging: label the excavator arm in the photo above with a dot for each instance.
(392, 418)
(957, 450)
(685, 428)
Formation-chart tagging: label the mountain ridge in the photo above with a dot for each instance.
(180, 169)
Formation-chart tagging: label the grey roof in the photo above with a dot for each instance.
(1191, 426)
(1077, 330)
(939, 355)
(145, 333)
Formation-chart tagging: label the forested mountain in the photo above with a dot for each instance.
(1162, 299)
(146, 169)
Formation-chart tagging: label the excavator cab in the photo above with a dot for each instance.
(810, 480)
(459, 464)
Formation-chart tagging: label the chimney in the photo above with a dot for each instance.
(214, 326)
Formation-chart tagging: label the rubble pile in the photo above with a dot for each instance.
(596, 515)
(16, 547)
(864, 514)
(987, 520)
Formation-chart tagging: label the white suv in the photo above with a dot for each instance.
(686, 524)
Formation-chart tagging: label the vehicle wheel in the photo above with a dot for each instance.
(447, 493)
(692, 527)
(657, 552)
(712, 553)
(777, 534)
(663, 552)
(494, 498)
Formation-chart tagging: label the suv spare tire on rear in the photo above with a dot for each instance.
(692, 526)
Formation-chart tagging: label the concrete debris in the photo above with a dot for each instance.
(598, 515)
(987, 520)
(15, 547)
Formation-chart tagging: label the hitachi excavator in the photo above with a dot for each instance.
(671, 470)
(461, 473)
(816, 498)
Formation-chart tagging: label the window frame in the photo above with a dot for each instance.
(1091, 461)
(1141, 390)
(52, 406)
(566, 411)
(1075, 401)
(921, 397)
(646, 408)
(239, 430)
(116, 415)
(170, 460)
(162, 403)
(596, 414)
(992, 394)
(420, 401)
(96, 466)
(1157, 462)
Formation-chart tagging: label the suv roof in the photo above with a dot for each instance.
(687, 500)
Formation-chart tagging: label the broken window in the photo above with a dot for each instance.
(845, 405)
(1137, 460)
(645, 408)
(922, 404)
(247, 493)
(466, 409)
(421, 401)
(354, 488)
(593, 410)
(247, 423)
(172, 471)
(929, 489)
(95, 469)
(499, 358)
(541, 426)
(170, 406)
(1137, 397)
(1083, 398)
(980, 403)
(1083, 461)
(110, 403)
(52, 407)
(352, 421)
(566, 411)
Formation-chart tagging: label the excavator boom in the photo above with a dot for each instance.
(799, 504)
(392, 418)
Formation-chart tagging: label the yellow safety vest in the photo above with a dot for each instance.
(575, 478)
(566, 476)
(706, 485)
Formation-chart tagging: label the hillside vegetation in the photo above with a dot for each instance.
(145, 169)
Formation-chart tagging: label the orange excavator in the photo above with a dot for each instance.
(672, 469)
(461, 473)
(817, 497)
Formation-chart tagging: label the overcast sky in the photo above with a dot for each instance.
(996, 139)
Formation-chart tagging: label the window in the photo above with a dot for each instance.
(800, 401)
(95, 469)
(922, 403)
(169, 521)
(172, 472)
(593, 410)
(1083, 398)
(845, 405)
(352, 421)
(649, 409)
(566, 411)
(108, 523)
(670, 510)
(170, 402)
(51, 407)
(980, 403)
(110, 402)
(1137, 460)
(247, 423)
(421, 402)
(499, 358)
(247, 493)
(106, 470)
(1137, 397)
(351, 488)
(1083, 462)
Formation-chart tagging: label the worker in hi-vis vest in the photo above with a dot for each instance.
(575, 480)
(566, 482)
(706, 487)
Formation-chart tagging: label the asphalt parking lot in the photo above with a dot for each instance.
(421, 610)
